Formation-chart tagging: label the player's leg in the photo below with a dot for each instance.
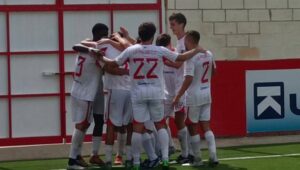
(157, 115)
(192, 120)
(127, 123)
(149, 146)
(182, 134)
(121, 140)
(129, 162)
(208, 134)
(140, 115)
(81, 115)
(169, 112)
(126, 116)
(98, 111)
(97, 140)
(113, 120)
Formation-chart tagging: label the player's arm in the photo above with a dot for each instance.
(185, 85)
(125, 33)
(116, 70)
(113, 43)
(123, 41)
(176, 65)
(81, 48)
(89, 43)
(189, 54)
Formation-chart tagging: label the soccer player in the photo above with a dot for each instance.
(169, 76)
(86, 80)
(147, 91)
(196, 87)
(177, 25)
(118, 108)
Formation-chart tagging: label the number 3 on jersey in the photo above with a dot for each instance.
(79, 67)
(150, 73)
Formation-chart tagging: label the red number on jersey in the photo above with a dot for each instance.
(138, 70)
(80, 62)
(204, 78)
(150, 74)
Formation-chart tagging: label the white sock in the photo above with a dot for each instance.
(136, 144)
(108, 153)
(171, 142)
(121, 137)
(128, 153)
(195, 142)
(190, 150)
(77, 140)
(96, 142)
(163, 139)
(183, 140)
(154, 137)
(148, 146)
(210, 138)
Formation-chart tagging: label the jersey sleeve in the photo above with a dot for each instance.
(209, 53)
(189, 68)
(123, 57)
(168, 54)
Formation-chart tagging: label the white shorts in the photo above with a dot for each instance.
(81, 110)
(118, 107)
(146, 110)
(198, 113)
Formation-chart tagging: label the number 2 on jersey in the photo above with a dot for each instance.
(149, 74)
(204, 78)
(79, 67)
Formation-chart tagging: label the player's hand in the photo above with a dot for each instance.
(124, 31)
(116, 36)
(175, 101)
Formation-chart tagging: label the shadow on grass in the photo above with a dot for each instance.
(179, 167)
(1, 168)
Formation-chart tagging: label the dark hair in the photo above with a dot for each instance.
(163, 40)
(193, 35)
(179, 18)
(146, 31)
(99, 31)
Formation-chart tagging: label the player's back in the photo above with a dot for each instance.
(86, 77)
(114, 81)
(146, 70)
(199, 91)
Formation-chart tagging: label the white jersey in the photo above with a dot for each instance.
(114, 81)
(170, 79)
(86, 77)
(146, 70)
(180, 48)
(200, 67)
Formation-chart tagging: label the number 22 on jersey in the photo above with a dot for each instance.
(138, 74)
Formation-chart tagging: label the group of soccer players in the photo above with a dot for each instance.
(143, 86)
